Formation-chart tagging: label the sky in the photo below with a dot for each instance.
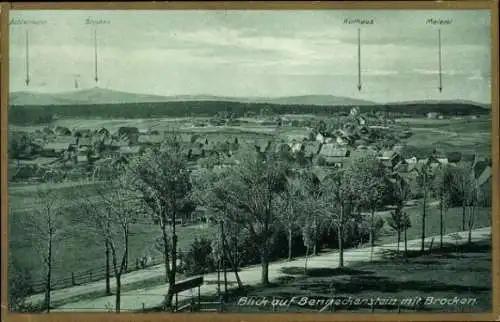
(256, 53)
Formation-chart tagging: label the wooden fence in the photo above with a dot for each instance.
(89, 276)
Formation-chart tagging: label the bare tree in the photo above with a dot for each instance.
(87, 203)
(291, 207)
(462, 185)
(369, 179)
(441, 186)
(470, 193)
(209, 191)
(338, 199)
(161, 178)
(252, 188)
(44, 225)
(424, 179)
(113, 213)
(399, 220)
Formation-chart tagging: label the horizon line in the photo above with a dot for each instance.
(242, 97)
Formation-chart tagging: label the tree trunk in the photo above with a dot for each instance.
(471, 223)
(118, 278)
(218, 278)
(233, 261)
(235, 270)
(463, 214)
(265, 249)
(166, 257)
(264, 256)
(290, 236)
(307, 258)
(171, 278)
(315, 239)
(126, 258)
(399, 238)
(441, 223)
(170, 271)
(49, 274)
(108, 274)
(341, 247)
(372, 233)
(340, 234)
(224, 259)
(406, 241)
(422, 247)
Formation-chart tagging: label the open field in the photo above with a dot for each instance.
(465, 136)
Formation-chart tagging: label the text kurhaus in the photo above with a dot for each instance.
(359, 21)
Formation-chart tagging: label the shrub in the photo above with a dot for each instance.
(198, 259)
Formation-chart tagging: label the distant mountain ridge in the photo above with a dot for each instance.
(98, 95)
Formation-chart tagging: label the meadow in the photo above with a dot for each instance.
(455, 135)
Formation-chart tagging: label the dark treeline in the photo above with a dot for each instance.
(35, 114)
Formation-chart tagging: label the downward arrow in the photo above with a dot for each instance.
(27, 80)
(359, 59)
(96, 78)
(440, 88)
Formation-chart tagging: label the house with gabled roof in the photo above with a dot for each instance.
(130, 133)
(334, 155)
(389, 158)
(401, 167)
(363, 152)
(104, 132)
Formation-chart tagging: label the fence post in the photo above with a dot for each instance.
(73, 279)
(373, 307)
(221, 308)
(399, 307)
(143, 307)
